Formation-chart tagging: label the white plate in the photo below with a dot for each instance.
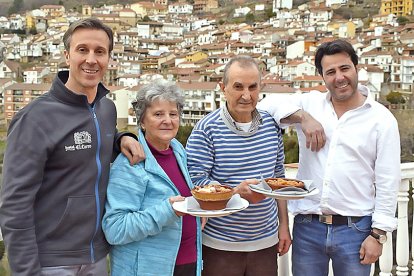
(190, 206)
(287, 195)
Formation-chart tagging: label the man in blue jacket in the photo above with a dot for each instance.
(56, 166)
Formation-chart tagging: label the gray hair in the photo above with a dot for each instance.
(242, 61)
(90, 23)
(160, 89)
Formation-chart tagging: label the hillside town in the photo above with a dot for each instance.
(186, 43)
(190, 42)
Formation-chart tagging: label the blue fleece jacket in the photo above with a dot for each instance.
(139, 221)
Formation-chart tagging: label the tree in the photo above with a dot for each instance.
(291, 146)
(33, 30)
(269, 13)
(183, 134)
(395, 97)
(146, 19)
(2, 249)
(16, 6)
(402, 20)
(250, 19)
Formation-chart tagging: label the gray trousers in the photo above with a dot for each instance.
(97, 269)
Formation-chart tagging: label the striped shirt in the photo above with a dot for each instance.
(218, 152)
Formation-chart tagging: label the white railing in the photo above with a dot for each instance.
(402, 248)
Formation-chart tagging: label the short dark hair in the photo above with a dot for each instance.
(88, 23)
(332, 48)
(243, 61)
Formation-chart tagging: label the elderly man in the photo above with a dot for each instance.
(232, 145)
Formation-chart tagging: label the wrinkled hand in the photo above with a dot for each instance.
(177, 199)
(132, 149)
(314, 132)
(245, 192)
(370, 251)
(284, 241)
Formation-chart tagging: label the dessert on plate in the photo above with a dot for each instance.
(212, 196)
(278, 183)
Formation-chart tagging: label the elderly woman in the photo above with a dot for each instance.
(148, 236)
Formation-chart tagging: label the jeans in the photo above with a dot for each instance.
(95, 269)
(315, 243)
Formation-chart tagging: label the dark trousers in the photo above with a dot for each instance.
(185, 270)
(232, 263)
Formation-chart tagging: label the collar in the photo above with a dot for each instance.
(150, 162)
(231, 123)
(62, 93)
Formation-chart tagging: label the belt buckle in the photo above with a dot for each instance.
(327, 219)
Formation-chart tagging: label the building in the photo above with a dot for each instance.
(18, 95)
(397, 7)
(202, 6)
(282, 4)
(53, 10)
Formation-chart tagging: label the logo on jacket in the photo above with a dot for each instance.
(82, 137)
(81, 140)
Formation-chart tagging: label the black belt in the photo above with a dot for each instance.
(336, 219)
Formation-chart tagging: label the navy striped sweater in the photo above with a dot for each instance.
(217, 153)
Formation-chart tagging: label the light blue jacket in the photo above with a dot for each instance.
(139, 221)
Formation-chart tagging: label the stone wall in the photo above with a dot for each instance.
(405, 120)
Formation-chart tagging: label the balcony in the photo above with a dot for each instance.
(404, 260)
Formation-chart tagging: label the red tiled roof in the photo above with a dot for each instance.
(308, 78)
(274, 88)
(321, 88)
(197, 85)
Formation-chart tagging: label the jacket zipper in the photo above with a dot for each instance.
(98, 177)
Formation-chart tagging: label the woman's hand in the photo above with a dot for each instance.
(203, 222)
(177, 199)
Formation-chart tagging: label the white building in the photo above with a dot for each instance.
(35, 74)
(172, 30)
(402, 74)
(4, 22)
(380, 58)
(295, 50)
(144, 30)
(241, 11)
(282, 4)
(330, 3)
(373, 77)
(180, 8)
(17, 22)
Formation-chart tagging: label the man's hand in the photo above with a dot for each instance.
(313, 130)
(370, 250)
(284, 241)
(245, 192)
(132, 149)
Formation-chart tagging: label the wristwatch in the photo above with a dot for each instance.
(381, 238)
